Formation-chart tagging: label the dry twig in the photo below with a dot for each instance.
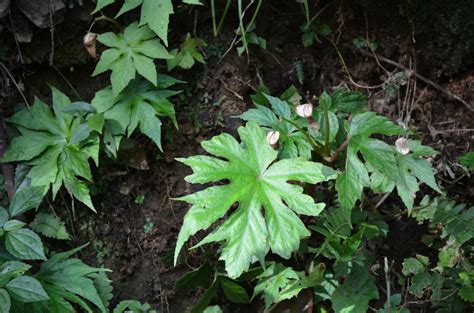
(418, 76)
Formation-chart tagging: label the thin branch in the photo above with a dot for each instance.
(230, 90)
(51, 29)
(315, 145)
(338, 151)
(420, 77)
(346, 69)
(15, 83)
(7, 168)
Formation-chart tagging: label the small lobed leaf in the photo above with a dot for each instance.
(139, 105)
(50, 226)
(356, 292)
(413, 266)
(467, 293)
(130, 52)
(348, 101)
(369, 123)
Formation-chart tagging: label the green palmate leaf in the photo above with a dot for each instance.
(389, 167)
(130, 52)
(356, 292)
(419, 283)
(70, 280)
(28, 146)
(50, 226)
(273, 280)
(5, 301)
(292, 142)
(188, 53)
(278, 283)
(24, 244)
(369, 123)
(349, 184)
(26, 289)
(414, 266)
(467, 293)
(155, 13)
(348, 101)
(255, 183)
(139, 105)
(68, 144)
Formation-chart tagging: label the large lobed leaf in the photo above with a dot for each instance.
(255, 184)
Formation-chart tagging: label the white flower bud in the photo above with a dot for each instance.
(272, 137)
(401, 144)
(304, 110)
(89, 41)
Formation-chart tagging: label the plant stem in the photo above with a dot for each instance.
(241, 26)
(327, 130)
(313, 143)
(346, 69)
(224, 15)
(318, 13)
(387, 281)
(257, 9)
(338, 151)
(213, 13)
(107, 19)
(68, 83)
(306, 13)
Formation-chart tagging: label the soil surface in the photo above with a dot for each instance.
(136, 240)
